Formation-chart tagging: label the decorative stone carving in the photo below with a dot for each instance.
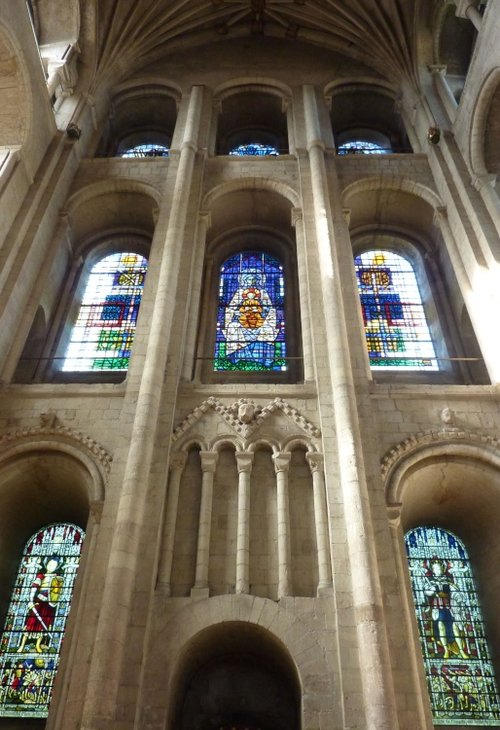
(247, 425)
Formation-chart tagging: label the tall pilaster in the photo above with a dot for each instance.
(378, 691)
(113, 626)
(208, 466)
(177, 464)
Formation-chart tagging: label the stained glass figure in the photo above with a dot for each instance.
(460, 676)
(147, 150)
(251, 318)
(362, 147)
(254, 150)
(36, 620)
(104, 332)
(396, 330)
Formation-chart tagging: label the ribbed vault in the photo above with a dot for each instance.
(129, 34)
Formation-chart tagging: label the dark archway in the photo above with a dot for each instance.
(238, 676)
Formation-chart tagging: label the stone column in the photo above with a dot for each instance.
(208, 465)
(244, 462)
(281, 466)
(177, 464)
(376, 677)
(305, 312)
(118, 591)
(480, 297)
(198, 261)
(467, 9)
(449, 102)
(315, 462)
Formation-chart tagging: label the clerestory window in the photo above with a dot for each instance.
(396, 329)
(103, 334)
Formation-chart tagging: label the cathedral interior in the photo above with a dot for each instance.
(249, 380)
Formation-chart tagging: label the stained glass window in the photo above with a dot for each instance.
(146, 150)
(362, 147)
(251, 317)
(36, 619)
(254, 150)
(460, 676)
(102, 336)
(396, 330)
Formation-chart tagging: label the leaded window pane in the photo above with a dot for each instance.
(251, 317)
(458, 668)
(36, 620)
(103, 334)
(396, 329)
(254, 150)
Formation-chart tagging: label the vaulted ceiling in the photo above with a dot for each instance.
(121, 35)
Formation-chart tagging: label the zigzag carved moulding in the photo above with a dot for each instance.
(230, 415)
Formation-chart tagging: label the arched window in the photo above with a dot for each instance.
(362, 147)
(396, 329)
(251, 315)
(36, 620)
(254, 150)
(103, 334)
(145, 150)
(458, 668)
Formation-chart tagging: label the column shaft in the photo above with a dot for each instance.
(177, 463)
(378, 690)
(208, 465)
(118, 592)
(281, 466)
(315, 462)
(244, 462)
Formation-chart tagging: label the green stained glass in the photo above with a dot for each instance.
(103, 334)
(36, 620)
(458, 668)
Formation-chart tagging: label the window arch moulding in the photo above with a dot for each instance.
(458, 668)
(36, 620)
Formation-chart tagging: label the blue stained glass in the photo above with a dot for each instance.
(396, 330)
(362, 147)
(36, 620)
(147, 150)
(103, 334)
(251, 317)
(254, 150)
(458, 668)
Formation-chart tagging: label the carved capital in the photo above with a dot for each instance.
(178, 461)
(208, 461)
(315, 461)
(244, 461)
(281, 461)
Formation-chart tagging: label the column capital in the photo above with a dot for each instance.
(208, 461)
(437, 68)
(281, 461)
(483, 181)
(178, 461)
(244, 461)
(205, 218)
(296, 216)
(315, 461)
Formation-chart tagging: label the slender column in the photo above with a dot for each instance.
(244, 462)
(208, 465)
(281, 466)
(177, 464)
(113, 626)
(315, 462)
(467, 9)
(449, 102)
(196, 287)
(305, 311)
(376, 678)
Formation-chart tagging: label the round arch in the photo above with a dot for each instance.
(17, 105)
(485, 126)
(289, 642)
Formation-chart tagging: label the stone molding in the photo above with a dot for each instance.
(245, 429)
(60, 433)
(413, 444)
